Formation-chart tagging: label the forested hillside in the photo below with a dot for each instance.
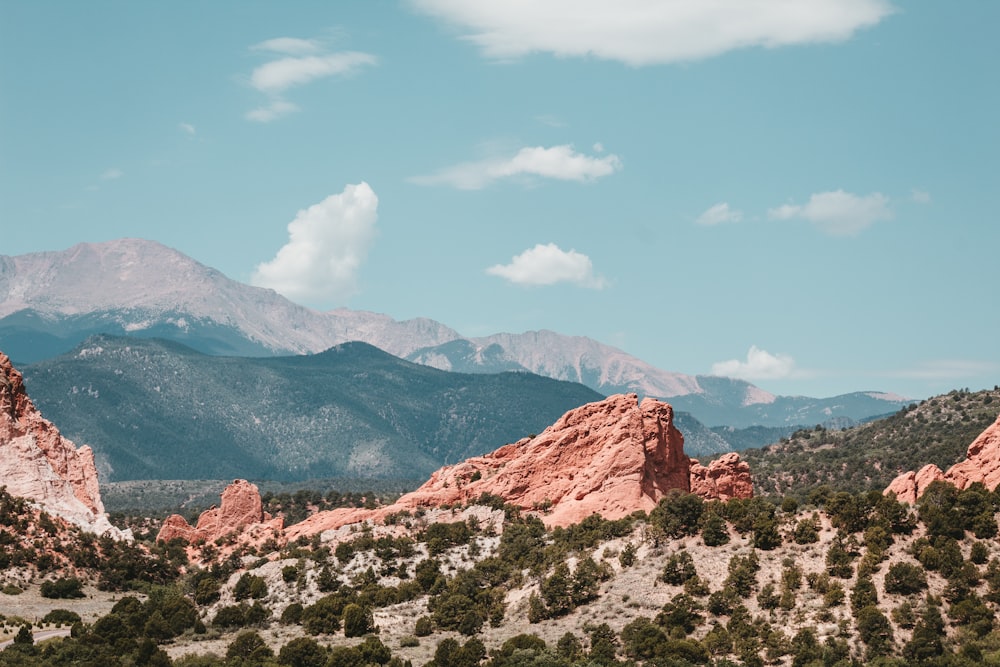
(870, 456)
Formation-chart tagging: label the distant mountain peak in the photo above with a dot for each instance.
(51, 301)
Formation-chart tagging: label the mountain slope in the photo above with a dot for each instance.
(730, 402)
(156, 409)
(138, 287)
(871, 455)
(52, 301)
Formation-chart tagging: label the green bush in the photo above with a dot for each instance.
(424, 626)
(292, 614)
(358, 621)
(250, 586)
(905, 579)
(248, 648)
(677, 514)
(61, 617)
(63, 588)
(678, 569)
(302, 652)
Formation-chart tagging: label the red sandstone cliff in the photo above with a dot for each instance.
(982, 464)
(37, 463)
(611, 457)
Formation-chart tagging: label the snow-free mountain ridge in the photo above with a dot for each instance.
(52, 301)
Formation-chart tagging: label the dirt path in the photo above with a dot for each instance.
(40, 635)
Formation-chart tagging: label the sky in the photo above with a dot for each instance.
(799, 193)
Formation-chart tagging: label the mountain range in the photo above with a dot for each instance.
(52, 301)
(154, 409)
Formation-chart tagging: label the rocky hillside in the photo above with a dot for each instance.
(856, 579)
(157, 410)
(980, 466)
(868, 457)
(480, 581)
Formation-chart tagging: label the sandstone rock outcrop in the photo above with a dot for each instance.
(982, 464)
(911, 485)
(724, 478)
(37, 463)
(240, 512)
(612, 457)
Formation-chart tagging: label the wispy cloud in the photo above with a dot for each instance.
(271, 111)
(548, 264)
(837, 213)
(558, 162)
(278, 76)
(718, 214)
(303, 62)
(759, 365)
(288, 45)
(649, 32)
(327, 243)
(112, 174)
(948, 369)
(188, 128)
(920, 196)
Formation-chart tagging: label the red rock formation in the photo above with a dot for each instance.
(37, 463)
(725, 478)
(241, 512)
(911, 485)
(982, 461)
(982, 464)
(612, 457)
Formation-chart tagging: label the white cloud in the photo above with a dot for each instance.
(327, 243)
(276, 109)
(559, 162)
(288, 45)
(920, 196)
(112, 174)
(187, 127)
(838, 213)
(760, 365)
(547, 264)
(719, 214)
(304, 62)
(648, 32)
(279, 75)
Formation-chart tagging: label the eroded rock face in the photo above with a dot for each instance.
(724, 478)
(37, 463)
(240, 512)
(982, 464)
(611, 457)
(982, 461)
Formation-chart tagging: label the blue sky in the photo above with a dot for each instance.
(800, 193)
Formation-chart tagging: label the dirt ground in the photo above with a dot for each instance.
(32, 607)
